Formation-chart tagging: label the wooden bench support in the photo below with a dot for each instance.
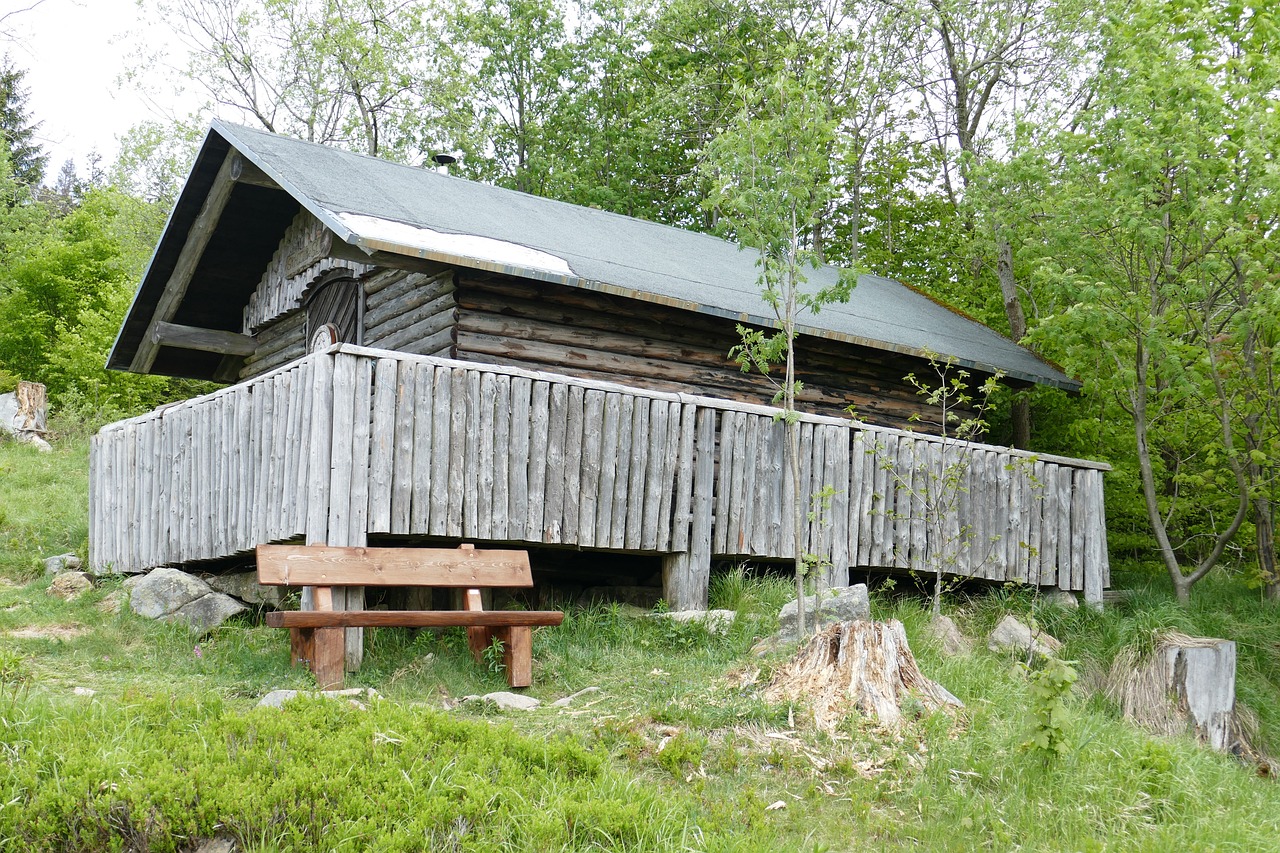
(316, 637)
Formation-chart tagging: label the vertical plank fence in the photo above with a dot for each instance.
(351, 443)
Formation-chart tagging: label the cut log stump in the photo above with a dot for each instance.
(863, 666)
(1188, 685)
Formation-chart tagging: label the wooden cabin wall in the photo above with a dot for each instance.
(599, 336)
(278, 343)
(302, 258)
(410, 312)
(406, 311)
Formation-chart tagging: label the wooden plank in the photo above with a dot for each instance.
(787, 505)
(592, 441)
(609, 460)
(517, 654)
(859, 519)
(360, 462)
(484, 459)
(404, 460)
(656, 459)
(622, 473)
(724, 471)
(843, 538)
(683, 500)
(1097, 542)
(703, 485)
(382, 456)
(557, 423)
(539, 441)
(341, 461)
(441, 447)
(205, 340)
(1079, 523)
(320, 447)
(411, 489)
(884, 493)
(184, 267)
(294, 565)
(572, 475)
(412, 618)
(518, 468)
(749, 499)
(670, 475)
(501, 457)
(290, 498)
(774, 470)
(471, 455)
(279, 456)
(1047, 474)
(1065, 545)
(639, 471)
(457, 452)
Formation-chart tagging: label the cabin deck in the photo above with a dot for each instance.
(352, 442)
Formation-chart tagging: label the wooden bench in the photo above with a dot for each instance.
(317, 636)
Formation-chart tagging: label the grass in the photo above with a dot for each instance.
(675, 751)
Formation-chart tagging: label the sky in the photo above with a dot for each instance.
(75, 53)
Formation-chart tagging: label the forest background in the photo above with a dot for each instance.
(1096, 179)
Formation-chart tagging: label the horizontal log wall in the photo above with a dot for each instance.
(599, 336)
(410, 312)
(410, 445)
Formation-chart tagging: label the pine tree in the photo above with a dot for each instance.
(16, 128)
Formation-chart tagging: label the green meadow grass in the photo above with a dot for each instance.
(676, 750)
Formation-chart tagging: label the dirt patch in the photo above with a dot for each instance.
(49, 632)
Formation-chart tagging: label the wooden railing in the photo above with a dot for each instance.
(352, 443)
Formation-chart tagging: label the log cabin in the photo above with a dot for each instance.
(414, 358)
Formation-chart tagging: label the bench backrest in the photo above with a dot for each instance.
(323, 565)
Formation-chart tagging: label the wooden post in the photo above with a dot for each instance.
(686, 575)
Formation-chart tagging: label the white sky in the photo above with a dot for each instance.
(75, 52)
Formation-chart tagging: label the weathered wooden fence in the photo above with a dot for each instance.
(355, 442)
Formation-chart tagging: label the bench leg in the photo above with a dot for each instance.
(517, 654)
(329, 659)
(302, 645)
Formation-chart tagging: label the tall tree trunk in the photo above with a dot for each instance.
(1018, 330)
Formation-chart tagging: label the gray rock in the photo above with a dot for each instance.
(717, 621)
(1061, 598)
(9, 413)
(277, 698)
(506, 701)
(70, 585)
(218, 844)
(840, 604)
(245, 586)
(207, 612)
(61, 563)
(568, 700)
(1012, 635)
(947, 633)
(164, 591)
(112, 603)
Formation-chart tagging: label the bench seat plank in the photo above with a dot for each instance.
(411, 618)
(325, 565)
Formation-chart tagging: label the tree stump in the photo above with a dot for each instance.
(863, 666)
(33, 406)
(1189, 684)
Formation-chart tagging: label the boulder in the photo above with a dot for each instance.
(569, 700)
(1013, 635)
(245, 586)
(164, 591)
(950, 639)
(70, 585)
(1061, 598)
(207, 612)
(61, 563)
(277, 698)
(716, 621)
(506, 701)
(839, 604)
